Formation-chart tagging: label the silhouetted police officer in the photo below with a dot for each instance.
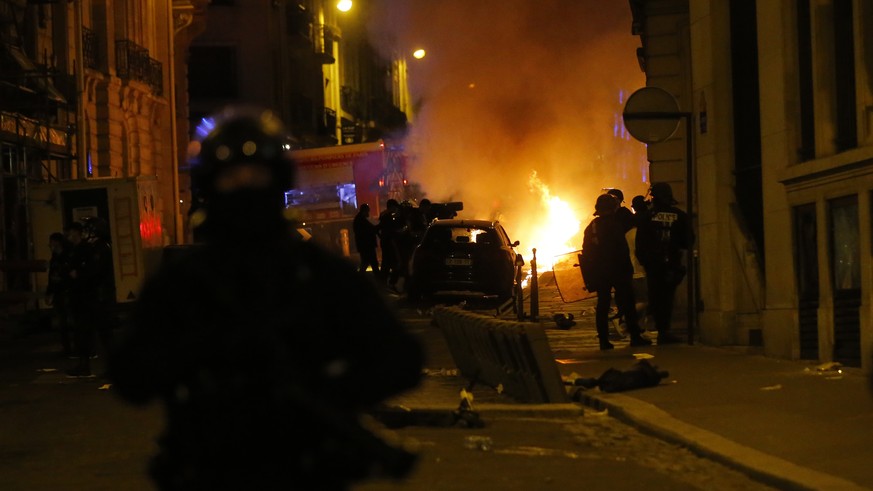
(366, 234)
(606, 265)
(391, 226)
(264, 348)
(661, 242)
(92, 291)
(623, 214)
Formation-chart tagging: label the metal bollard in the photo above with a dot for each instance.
(534, 289)
(518, 301)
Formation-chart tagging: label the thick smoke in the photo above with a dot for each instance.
(512, 87)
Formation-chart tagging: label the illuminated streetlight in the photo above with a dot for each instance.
(418, 54)
(344, 5)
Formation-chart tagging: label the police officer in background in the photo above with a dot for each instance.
(662, 241)
(264, 349)
(57, 292)
(640, 207)
(622, 214)
(92, 292)
(366, 234)
(391, 226)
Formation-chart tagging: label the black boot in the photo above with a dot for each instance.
(82, 369)
(667, 338)
(638, 340)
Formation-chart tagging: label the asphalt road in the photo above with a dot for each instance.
(63, 434)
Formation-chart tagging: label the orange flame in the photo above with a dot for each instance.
(553, 235)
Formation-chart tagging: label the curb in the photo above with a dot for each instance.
(758, 465)
(492, 410)
(551, 410)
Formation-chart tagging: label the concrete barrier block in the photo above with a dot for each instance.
(497, 352)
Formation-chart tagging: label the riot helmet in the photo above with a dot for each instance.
(617, 193)
(606, 204)
(232, 148)
(240, 171)
(662, 193)
(639, 204)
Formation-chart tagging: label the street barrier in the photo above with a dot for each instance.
(500, 353)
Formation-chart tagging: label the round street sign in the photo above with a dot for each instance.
(651, 115)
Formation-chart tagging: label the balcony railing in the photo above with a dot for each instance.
(134, 63)
(324, 44)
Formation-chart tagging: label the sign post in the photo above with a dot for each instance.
(651, 115)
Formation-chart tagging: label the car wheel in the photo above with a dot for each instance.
(506, 293)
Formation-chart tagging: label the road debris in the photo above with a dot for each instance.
(476, 442)
(772, 387)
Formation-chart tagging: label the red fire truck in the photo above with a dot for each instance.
(333, 181)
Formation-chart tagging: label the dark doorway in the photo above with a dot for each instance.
(81, 203)
(85, 202)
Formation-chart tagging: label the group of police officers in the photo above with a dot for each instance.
(662, 240)
(661, 243)
(81, 290)
(399, 229)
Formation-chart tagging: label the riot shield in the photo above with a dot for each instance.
(568, 277)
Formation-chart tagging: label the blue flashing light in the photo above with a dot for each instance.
(204, 128)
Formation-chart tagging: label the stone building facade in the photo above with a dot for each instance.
(781, 93)
(89, 98)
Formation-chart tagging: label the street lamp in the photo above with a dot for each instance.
(418, 54)
(344, 5)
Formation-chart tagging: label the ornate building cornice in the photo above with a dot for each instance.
(187, 13)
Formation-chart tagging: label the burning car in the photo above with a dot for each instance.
(463, 257)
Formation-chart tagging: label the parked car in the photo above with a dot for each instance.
(468, 257)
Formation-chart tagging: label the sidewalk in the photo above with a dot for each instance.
(791, 424)
(785, 421)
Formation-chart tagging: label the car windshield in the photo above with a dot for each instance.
(442, 236)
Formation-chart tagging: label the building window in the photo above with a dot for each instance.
(806, 252)
(806, 269)
(866, 40)
(844, 241)
(212, 72)
(844, 70)
(747, 118)
(805, 80)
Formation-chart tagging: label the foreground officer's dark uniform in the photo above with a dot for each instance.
(662, 236)
(264, 348)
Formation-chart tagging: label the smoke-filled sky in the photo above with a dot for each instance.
(513, 87)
